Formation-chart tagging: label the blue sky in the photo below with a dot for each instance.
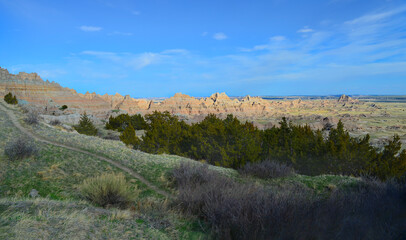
(155, 48)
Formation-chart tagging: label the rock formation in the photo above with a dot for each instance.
(31, 88)
(50, 96)
(344, 99)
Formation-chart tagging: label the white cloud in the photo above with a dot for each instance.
(90, 28)
(305, 29)
(136, 12)
(220, 36)
(278, 38)
(204, 34)
(335, 54)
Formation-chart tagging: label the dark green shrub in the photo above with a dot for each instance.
(129, 138)
(109, 189)
(86, 126)
(20, 148)
(63, 107)
(10, 99)
(391, 162)
(123, 120)
(164, 134)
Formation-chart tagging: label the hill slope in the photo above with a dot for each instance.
(66, 159)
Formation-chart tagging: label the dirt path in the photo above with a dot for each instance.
(112, 162)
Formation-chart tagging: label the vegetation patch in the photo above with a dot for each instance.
(109, 190)
(20, 148)
(55, 122)
(63, 108)
(247, 211)
(86, 126)
(32, 117)
(122, 121)
(10, 99)
(267, 170)
(129, 137)
(231, 143)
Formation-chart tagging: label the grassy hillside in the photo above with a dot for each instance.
(56, 173)
(61, 213)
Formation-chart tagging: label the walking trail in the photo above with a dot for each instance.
(112, 162)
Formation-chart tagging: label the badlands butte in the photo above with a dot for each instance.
(380, 116)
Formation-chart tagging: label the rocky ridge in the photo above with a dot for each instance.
(31, 88)
(49, 96)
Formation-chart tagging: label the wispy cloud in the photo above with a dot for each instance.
(305, 29)
(377, 16)
(278, 38)
(138, 61)
(90, 28)
(362, 53)
(175, 51)
(142, 60)
(220, 36)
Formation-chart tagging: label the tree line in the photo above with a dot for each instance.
(231, 143)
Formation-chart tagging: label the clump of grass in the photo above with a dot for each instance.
(109, 189)
(19, 149)
(267, 170)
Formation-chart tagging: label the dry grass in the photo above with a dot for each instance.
(45, 219)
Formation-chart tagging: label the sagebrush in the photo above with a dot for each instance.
(20, 148)
(267, 170)
(370, 209)
(55, 122)
(32, 117)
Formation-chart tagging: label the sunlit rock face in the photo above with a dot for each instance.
(49, 96)
(31, 88)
